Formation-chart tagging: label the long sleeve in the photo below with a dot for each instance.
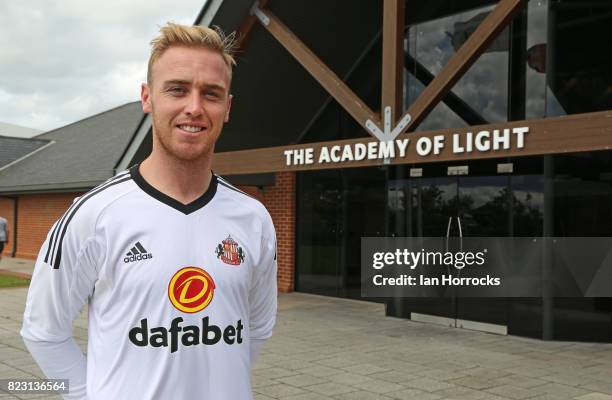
(255, 349)
(63, 360)
(263, 294)
(63, 280)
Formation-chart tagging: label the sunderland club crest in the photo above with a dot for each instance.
(229, 252)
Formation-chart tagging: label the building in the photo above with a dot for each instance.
(40, 185)
(318, 82)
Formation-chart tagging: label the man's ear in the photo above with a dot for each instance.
(145, 98)
(229, 106)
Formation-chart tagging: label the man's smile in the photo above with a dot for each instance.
(192, 127)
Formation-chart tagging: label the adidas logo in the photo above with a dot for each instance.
(137, 253)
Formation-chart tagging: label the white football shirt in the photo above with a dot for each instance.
(176, 292)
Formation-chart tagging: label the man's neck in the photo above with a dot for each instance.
(183, 181)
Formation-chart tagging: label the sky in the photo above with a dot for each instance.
(65, 60)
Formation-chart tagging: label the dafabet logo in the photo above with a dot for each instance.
(190, 290)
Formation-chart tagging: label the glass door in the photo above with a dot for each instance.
(498, 206)
(484, 209)
(363, 214)
(422, 207)
(454, 206)
(319, 254)
(335, 209)
(478, 202)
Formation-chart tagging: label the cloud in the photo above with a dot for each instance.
(66, 60)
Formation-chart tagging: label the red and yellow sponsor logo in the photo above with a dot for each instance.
(191, 289)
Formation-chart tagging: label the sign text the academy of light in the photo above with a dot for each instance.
(466, 142)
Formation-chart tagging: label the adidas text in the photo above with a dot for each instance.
(137, 257)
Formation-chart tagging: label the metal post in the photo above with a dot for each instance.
(547, 257)
(15, 224)
(549, 175)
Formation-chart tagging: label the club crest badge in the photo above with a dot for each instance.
(229, 252)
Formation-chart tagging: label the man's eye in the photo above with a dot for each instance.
(212, 95)
(177, 90)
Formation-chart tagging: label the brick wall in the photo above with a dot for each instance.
(7, 211)
(35, 216)
(280, 202)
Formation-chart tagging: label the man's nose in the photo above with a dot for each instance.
(195, 105)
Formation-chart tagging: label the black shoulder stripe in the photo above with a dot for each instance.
(58, 257)
(59, 224)
(229, 186)
(55, 230)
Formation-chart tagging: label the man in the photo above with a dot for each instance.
(178, 265)
(3, 235)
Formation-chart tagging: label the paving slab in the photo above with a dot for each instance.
(326, 348)
(22, 266)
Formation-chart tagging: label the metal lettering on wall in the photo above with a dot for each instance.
(460, 143)
(557, 135)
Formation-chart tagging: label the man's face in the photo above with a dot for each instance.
(189, 101)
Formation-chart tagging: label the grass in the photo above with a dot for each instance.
(12, 281)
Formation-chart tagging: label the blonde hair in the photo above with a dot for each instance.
(192, 36)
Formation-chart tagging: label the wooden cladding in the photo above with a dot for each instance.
(567, 134)
(321, 72)
(392, 64)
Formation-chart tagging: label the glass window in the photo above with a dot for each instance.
(481, 95)
(580, 67)
(535, 73)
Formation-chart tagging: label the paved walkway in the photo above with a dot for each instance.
(325, 348)
(21, 266)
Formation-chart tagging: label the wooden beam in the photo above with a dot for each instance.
(317, 68)
(245, 28)
(462, 60)
(567, 134)
(393, 58)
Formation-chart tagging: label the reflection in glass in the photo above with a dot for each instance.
(537, 26)
(580, 66)
(487, 205)
(483, 88)
(335, 209)
(317, 248)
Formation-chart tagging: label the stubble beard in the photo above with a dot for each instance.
(162, 142)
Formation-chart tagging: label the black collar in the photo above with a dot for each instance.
(164, 198)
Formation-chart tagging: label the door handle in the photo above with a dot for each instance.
(460, 242)
(448, 226)
(460, 234)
